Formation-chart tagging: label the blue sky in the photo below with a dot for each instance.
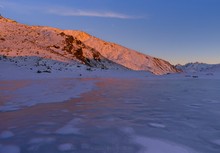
(179, 31)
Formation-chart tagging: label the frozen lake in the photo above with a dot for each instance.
(117, 116)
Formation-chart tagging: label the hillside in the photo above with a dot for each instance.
(73, 47)
(124, 56)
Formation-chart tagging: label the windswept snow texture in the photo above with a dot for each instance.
(119, 115)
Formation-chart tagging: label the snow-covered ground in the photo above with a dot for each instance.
(23, 68)
(172, 114)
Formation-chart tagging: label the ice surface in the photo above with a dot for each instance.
(42, 140)
(28, 93)
(65, 110)
(157, 125)
(122, 115)
(36, 143)
(69, 128)
(47, 123)
(43, 131)
(6, 134)
(66, 147)
(85, 146)
(217, 142)
(150, 145)
(9, 149)
(128, 130)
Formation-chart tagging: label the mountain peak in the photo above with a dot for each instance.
(74, 46)
(199, 67)
(4, 19)
(83, 36)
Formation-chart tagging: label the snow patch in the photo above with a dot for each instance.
(217, 142)
(6, 134)
(85, 146)
(70, 128)
(66, 147)
(214, 101)
(65, 111)
(157, 125)
(9, 149)
(150, 145)
(43, 131)
(42, 140)
(32, 92)
(36, 143)
(128, 130)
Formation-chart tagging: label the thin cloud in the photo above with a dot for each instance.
(86, 13)
(63, 11)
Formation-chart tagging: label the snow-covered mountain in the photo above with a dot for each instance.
(199, 67)
(72, 48)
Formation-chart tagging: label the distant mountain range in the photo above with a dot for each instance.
(71, 47)
(199, 67)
